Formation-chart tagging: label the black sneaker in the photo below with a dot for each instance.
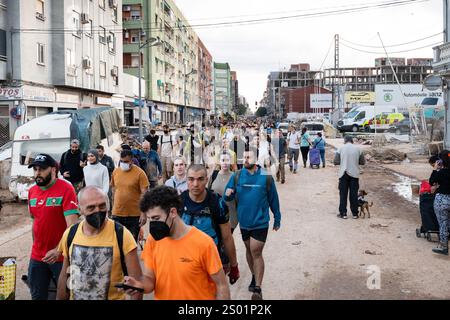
(283, 181)
(257, 294)
(252, 285)
(295, 172)
(441, 249)
(342, 216)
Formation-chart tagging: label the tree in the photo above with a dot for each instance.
(241, 110)
(261, 112)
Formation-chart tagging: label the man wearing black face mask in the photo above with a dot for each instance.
(52, 205)
(174, 250)
(99, 251)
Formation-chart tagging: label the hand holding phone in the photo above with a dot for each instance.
(124, 286)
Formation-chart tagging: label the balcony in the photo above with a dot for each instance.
(441, 63)
(134, 71)
(132, 24)
(131, 48)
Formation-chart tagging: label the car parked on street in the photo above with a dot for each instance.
(402, 127)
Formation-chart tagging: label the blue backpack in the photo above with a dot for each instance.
(207, 219)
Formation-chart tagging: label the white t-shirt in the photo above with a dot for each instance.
(166, 147)
(293, 139)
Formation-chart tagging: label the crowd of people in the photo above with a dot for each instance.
(193, 188)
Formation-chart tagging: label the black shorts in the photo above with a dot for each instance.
(257, 234)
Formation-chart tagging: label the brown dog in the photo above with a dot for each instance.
(363, 204)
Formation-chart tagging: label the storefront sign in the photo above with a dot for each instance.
(366, 97)
(9, 93)
(38, 94)
(103, 101)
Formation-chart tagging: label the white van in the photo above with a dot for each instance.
(354, 120)
(52, 134)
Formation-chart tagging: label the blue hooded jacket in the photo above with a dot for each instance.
(254, 201)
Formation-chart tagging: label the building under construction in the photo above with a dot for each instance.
(409, 71)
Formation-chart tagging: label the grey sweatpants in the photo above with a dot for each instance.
(442, 210)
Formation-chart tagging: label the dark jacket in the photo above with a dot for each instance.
(153, 141)
(151, 164)
(108, 162)
(71, 162)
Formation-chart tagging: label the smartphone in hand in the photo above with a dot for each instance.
(127, 287)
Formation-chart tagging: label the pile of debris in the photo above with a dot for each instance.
(384, 155)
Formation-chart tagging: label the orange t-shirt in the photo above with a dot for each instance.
(183, 267)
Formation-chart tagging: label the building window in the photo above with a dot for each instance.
(103, 69)
(135, 14)
(40, 54)
(134, 36)
(111, 42)
(89, 28)
(76, 25)
(135, 61)
(102, 35)
(114, 15)
(40, 10)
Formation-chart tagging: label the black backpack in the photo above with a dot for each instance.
(118, 228)
(214, 211)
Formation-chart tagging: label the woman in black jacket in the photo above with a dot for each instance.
(440, 179)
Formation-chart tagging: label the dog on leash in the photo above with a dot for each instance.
(363, 204)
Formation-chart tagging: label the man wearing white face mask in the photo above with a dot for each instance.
(129, 182)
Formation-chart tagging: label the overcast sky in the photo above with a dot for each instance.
(255, 50)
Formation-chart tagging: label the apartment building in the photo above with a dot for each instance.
(205, 80)
(171, 68)
(222, 89)
(298, 76)
(59, 55)
(234, 90)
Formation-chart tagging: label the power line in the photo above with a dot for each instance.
(239, 22)
(402, 51)
(393, 45)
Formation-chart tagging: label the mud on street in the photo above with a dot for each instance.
(315, 255)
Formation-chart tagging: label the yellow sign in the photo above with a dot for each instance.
(7, 278)
(360, 97)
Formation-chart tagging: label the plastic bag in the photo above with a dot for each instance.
(8, 269)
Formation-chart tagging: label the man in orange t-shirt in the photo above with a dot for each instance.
(180, 262)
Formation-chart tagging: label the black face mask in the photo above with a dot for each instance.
(160, 230)
(166, 131)
(97, 219)
(45, 181)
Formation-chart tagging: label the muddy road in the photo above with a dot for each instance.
(315, 255)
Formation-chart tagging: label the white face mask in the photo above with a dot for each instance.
(125, 166)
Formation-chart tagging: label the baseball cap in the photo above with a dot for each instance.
(44, 161)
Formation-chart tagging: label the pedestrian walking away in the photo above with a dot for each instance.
(129, 183)
(53, 207)
(165, 150)
(72, 163)
(151, 164)
(319, 143)
(280, 147)
(440, 179)
(96, 174)
(208, 212)
(293, 139)
(98, 253)
(305, 145)
(180, 261)
(349, 157)
(178, 180)
(255, 192)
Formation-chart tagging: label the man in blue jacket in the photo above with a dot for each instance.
(255, 191)
(150, 162)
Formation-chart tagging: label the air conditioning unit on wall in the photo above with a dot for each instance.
(87, 63)
(114, 72)
(84, 18)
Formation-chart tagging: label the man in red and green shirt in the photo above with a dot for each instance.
(53, 207)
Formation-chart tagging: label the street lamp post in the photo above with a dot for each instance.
(152, 42)
(186, 75)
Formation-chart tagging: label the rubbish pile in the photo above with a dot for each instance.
(385, 155)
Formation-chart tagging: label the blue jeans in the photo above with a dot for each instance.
(39, 276)
(322, 155)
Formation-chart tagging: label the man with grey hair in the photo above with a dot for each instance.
(98, 253)
(349, 157)
(72, 163)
